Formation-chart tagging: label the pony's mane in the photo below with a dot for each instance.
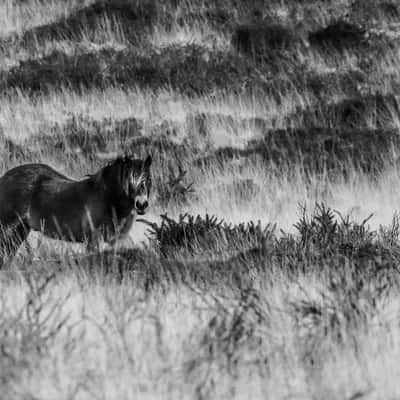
(122, 159)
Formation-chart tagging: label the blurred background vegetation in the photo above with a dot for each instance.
(268, 265)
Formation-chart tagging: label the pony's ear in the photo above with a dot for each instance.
(147, 162)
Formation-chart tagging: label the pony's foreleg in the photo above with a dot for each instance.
(122, 231)
(95, 241)
(11, 238)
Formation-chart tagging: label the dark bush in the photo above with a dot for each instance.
(196, 234)
(334, 150)
(165, 151)
(264, 42)
(359, 265)
(218, 16)
(191, 70)
(58, 70)
(261, 37)
(348, 82)
(381, 111)
(328, 149)
(354, 259)
(338, 35)
(218, 157)
(87, 136)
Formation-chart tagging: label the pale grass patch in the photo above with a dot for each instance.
(363, 197)
(129, 344)
(197, 34)
(17, 17)
(319, 64)
(70, 48)
(274, 199)
(107, 34)
(279, 199)
(22, 116)
(119, 342)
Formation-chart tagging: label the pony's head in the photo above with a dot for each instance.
(128, 180)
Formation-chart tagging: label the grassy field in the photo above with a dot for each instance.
(270, 268)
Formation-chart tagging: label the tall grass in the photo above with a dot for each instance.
(19, 16)
(258, 273)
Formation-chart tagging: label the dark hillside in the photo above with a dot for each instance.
(332, 74)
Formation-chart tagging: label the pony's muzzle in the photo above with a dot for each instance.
(141, 206)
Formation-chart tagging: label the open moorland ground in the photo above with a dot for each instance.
(270, 269)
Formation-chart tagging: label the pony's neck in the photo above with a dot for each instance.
(116, 201)
(122, 206)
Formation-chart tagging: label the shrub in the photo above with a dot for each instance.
(348, 82)
(218, 157)
(354, 260)
(57, 70)
(175, 190)
(341, 248)
(381, 111)
(260, 38)
(336, 150)
(196, 234)
(358, 265)
(191, 70)
(320, 149)
(338, 35)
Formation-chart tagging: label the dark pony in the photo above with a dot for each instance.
(103, 205)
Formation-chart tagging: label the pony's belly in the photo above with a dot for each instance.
(80, 226)
(71, 228)
(59, 230)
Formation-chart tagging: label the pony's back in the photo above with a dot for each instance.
(17, 187)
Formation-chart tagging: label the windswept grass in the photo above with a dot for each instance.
(267, 266)
(19, 16)
(297, 307)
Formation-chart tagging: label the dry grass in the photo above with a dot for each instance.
(118, 343)
(307, 311)
(16, 17)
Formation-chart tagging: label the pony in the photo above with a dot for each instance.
(99, 206)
